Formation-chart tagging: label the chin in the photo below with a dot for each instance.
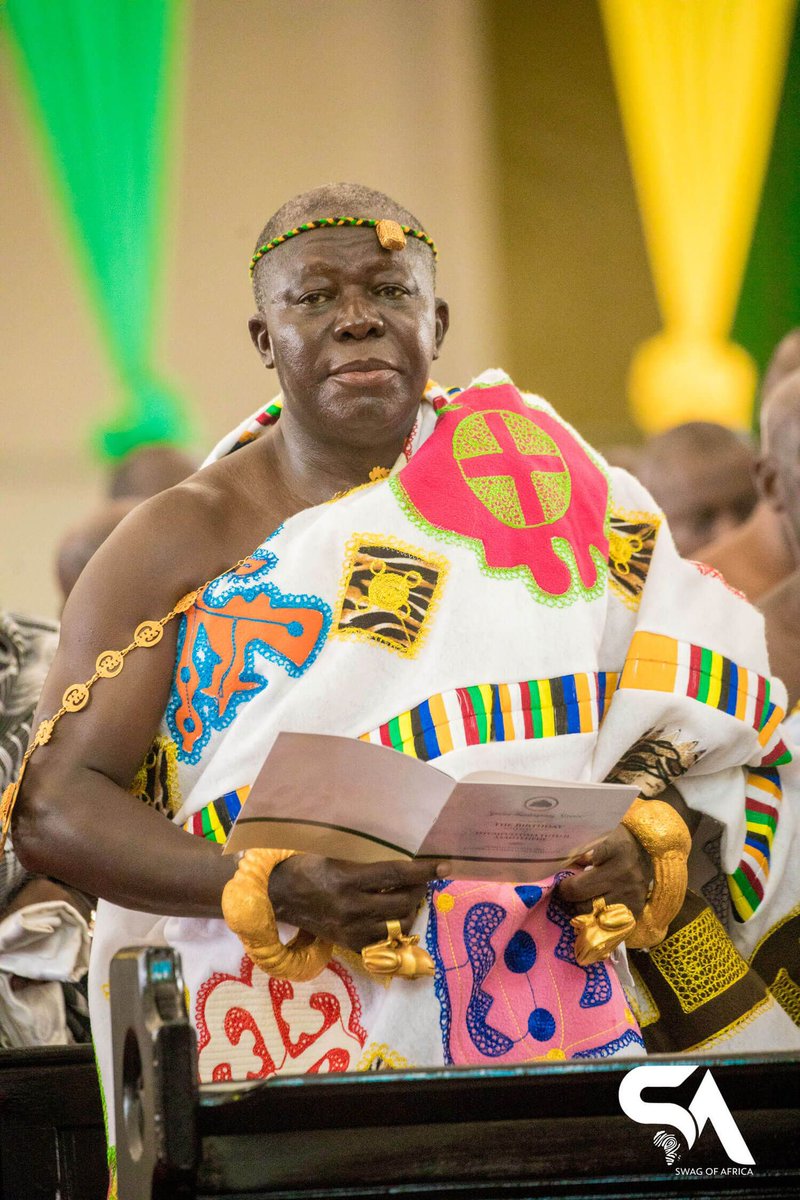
(372, 418)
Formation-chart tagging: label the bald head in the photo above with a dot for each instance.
(779, 463)
(150, 470)
(701, 474)
(333, 200)
(785, 361)
(80, 543)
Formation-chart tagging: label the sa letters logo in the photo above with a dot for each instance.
(707, 1107)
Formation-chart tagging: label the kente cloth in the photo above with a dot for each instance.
(504, 601)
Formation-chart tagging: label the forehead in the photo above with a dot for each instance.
(342, 251)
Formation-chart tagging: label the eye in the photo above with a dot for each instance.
(313, 299)
(391, 290)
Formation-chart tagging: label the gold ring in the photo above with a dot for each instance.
(394, 931)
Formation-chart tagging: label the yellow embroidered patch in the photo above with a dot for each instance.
(389, 591)
(156, 781)
(699, 962)
(643, 1004)
(787, 993)
(378, 1057)
(631, 542)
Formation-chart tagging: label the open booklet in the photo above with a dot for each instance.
(345, 798)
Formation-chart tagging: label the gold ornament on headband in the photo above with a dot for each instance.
(390, 235)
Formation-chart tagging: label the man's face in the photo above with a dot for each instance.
(779, 479)
(704, 499)
(352, 330)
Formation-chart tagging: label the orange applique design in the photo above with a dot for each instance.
(236, 623)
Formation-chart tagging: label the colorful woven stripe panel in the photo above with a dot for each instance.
(214, 821)
(498, 712)
(661, 664)
(763, 797)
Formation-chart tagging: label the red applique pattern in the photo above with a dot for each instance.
(251, 1026)
(705, 569)
(517, 485)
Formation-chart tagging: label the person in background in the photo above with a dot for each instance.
(701, 474)
(82, 540)
(758, 556)
(149, 470)
(44, 939)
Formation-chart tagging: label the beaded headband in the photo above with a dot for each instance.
(391, 235)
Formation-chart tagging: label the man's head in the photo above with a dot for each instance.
(350, 327)
(80, 543)
(149, 470)
(778, 469)
(702, 476)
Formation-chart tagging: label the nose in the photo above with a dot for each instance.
(358, 318)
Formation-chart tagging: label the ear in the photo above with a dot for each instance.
(260, 335)
(442, 324)
(768, 483)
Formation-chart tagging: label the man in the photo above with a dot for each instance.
(779, 480)
(149, 470)
(494, 638)
(84, 539)
(759, 554)
(702, 476)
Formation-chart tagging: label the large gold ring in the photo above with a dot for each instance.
(601, 931)
(397, 954)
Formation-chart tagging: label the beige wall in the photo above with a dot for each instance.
(280, 95)
(577, 290)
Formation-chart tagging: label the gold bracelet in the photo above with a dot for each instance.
(249, 914)
(666, 838)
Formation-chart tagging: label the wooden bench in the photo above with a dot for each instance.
(52, 1139)
(543, 1130)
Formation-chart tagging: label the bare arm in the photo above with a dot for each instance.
(75, 818)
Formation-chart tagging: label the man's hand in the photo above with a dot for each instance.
(621, 871)
(348, 903)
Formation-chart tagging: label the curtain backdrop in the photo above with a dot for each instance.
(699, 84)
(99, 77)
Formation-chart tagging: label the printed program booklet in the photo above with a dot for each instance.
(344, 798)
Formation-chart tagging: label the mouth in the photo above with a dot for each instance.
(364, 372)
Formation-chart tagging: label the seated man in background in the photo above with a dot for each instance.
(779, 480)
(149, 470)
(84, 540)
(701, 474)
(758, 555)
(44, 940)
(452, 574)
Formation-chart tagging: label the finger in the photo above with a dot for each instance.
(367, 933)
(389, 905)
(396, 874)
(584, 885)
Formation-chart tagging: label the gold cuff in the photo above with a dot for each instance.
(397, 955)
(666, 838)
(249, 914)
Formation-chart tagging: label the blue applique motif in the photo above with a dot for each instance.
(597, 989)
(629, 1038)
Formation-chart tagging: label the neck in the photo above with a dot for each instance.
(311, 471)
